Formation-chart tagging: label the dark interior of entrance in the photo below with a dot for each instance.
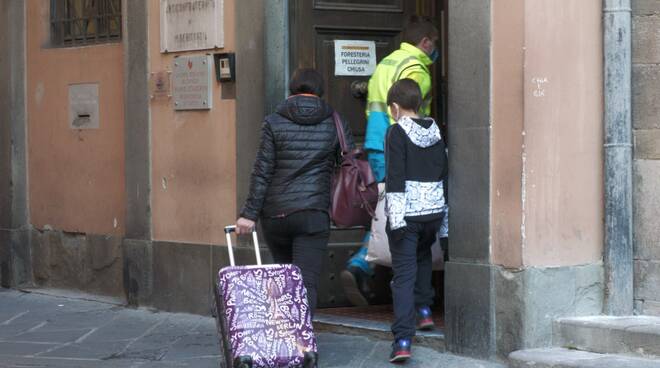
(313, 27)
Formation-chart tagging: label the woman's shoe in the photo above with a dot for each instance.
(356, 286)
(400, 351)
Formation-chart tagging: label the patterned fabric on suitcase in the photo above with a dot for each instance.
(266, 314)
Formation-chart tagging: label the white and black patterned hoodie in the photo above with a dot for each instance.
(416, 165)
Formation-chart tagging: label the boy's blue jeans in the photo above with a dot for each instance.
(412, 265)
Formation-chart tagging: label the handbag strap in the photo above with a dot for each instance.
(370, 210)
(340, 132)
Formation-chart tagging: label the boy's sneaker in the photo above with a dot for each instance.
(400, 351)
(425, 319)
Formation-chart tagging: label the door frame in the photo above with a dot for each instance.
(469, 280)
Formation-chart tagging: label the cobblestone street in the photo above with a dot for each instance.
(38, 330)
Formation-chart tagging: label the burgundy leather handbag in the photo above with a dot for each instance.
(354, 187)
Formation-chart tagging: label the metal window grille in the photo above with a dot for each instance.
(85, 22)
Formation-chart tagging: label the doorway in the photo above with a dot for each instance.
(313, 28)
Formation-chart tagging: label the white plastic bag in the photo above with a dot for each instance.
(379, 249)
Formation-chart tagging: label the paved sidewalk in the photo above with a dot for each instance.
(38, 330)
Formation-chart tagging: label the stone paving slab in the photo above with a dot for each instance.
(377, 329)
(38, 330)
(566, 358)
(86, 350)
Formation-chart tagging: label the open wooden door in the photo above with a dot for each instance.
(314, 26)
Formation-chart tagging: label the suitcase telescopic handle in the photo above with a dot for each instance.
(232, 229)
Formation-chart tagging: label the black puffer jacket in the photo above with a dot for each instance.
(298, 152)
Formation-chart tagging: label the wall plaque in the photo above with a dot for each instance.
(84, 106)
(191, 25)
(191, 82)
(159, 84)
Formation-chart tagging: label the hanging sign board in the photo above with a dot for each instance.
(191, 25)
(191, 82)
(355, 57)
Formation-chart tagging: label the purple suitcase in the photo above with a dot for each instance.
(263, 316)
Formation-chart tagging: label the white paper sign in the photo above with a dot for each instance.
(355, 57)
(191, 25)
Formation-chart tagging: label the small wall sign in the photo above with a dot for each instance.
(84, 106)
(191, 82)
(159, 84)
(355, 57)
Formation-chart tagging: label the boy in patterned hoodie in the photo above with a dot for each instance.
(416, 166)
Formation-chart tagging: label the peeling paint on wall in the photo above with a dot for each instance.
(39, 93)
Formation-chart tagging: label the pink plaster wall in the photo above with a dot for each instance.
(75, 177)
(508, 23)
(193, 153)
(546, 137)
(563, 136)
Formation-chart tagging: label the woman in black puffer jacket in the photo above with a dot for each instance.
(291, 180)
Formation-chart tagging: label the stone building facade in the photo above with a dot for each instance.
(135, 208)
(646, 180)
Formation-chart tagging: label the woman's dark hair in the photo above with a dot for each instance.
(306, 80)
(417, 28)
(405, 93)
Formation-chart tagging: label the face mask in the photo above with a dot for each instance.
(435, 54)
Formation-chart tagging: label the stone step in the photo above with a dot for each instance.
(634, 335)
(375, 329)
(566, 358)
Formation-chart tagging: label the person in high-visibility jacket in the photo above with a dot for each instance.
(412, 60)
(416, 53)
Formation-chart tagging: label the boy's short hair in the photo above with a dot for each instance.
(405, 93)
(306, 80)
(417, 28)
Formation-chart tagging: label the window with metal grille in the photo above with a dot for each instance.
(85, 22)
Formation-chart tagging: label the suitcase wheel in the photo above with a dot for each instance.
(311, 359)
(244, 361)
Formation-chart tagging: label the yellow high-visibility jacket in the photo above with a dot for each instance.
(406, 62)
